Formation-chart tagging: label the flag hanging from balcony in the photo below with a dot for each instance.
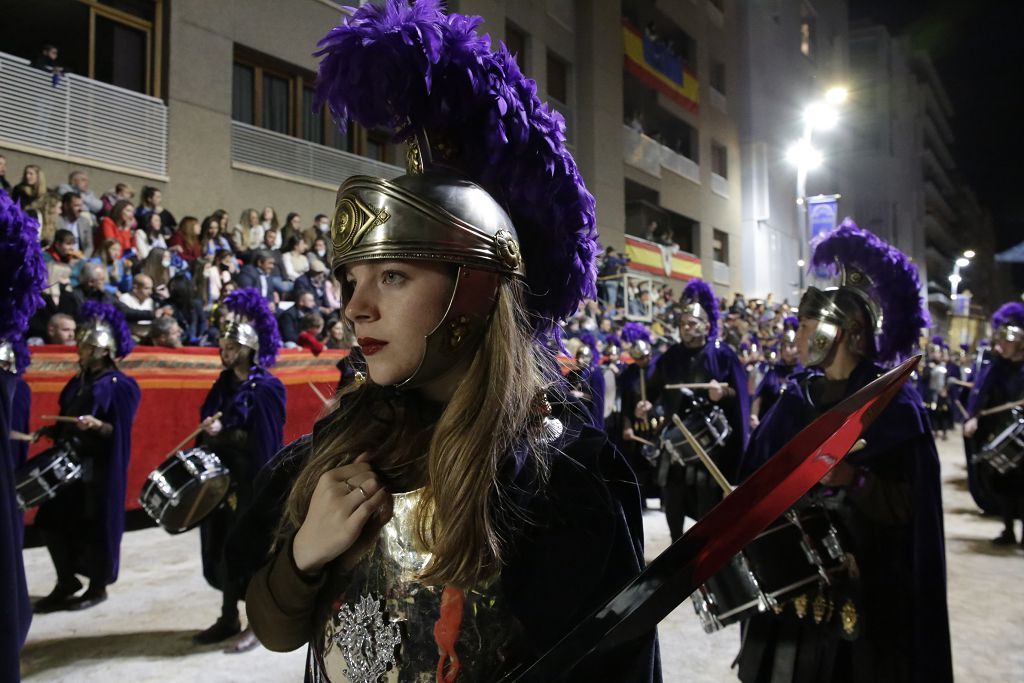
(657, 67)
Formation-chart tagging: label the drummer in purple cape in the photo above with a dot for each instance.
(639, 434)
(82, 526)
(22, 279)
(887, 619)
(700, 359)
(786, 363)
(998, 385)
(243, 425)
(587, 379)
(934, 374)
(454, 515)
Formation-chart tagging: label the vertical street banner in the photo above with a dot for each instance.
(822, 211)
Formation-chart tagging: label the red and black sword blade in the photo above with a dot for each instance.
(676, 573)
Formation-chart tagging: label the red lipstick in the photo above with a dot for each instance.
(370, 346)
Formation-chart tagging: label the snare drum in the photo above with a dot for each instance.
(1005, 452)
(799, 551)
(41, 478)
(184, 489)
(709, 427)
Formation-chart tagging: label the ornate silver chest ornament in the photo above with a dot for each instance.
(367, 641)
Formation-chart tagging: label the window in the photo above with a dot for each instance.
(719, 160)
(558, 78)
(717, 76)
(312, 123)
(242, 89)
(515, 41)
(808, 31)
(275, 103)
(720, 246)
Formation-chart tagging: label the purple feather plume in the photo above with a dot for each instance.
(613, 340)
(632, 331)
(410, 68)
(698, 291)
(937, 340)
(590, 340)
(895, 285)
(790, 322)
(113, 318)
(22, 276)
(1010, 313)
(249, 304)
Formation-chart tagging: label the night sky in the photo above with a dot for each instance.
(978, 50)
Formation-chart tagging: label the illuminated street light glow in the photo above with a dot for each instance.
(969, 253)
(821, 116)
(963, 262)
(955, 279)
(801, 263)
(836, 95)
(803, 155)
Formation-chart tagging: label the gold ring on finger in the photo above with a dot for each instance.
(363, 491)
(349, 485)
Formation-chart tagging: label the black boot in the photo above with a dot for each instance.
(59, 598)
(1005, 538)
(222, 629)
(90, 598)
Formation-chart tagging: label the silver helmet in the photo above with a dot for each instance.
(848, 307)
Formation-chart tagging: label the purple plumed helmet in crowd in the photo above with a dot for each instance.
(894, 284)
(590, 340)
(248, 305)
(700, 292)
(613, 340)
(1010, 313)
(411, 69)
(790, 322)
(22, 276)
(937, 340)
(93, 312)
(632, 331)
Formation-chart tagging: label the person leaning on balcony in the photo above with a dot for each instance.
(31, 188)
(78, 181)
(118, 225)
(79, 222)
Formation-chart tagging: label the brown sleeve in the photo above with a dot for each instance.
(280, 602)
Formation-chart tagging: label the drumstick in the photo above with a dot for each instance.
(704, 457)
(643, 441)
(1002, 408)
(318, 393)
(963, 411)
(696, 385)
(960, 382)
(214, 417)
(20, 436)
(58, 418)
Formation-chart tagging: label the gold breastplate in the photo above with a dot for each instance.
(388, 627)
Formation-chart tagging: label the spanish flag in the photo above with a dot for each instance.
(657, 68)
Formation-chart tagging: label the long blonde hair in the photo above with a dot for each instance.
(462, 458)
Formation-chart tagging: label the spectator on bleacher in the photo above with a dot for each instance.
(157, 265)
(188, 309)
(141, 299)
(118, 225)
(210, 280)
(311, 326)
(268, 221)
(76, 220)
(288, 322)
(152, 202)
(92, 285)
(57, 298)
(185, 240)
(165, 332)
(247, 233)
(111, 197)
(316, 282)
(260, 275)
(610, 269)
(148, 235)
(31, 188)
(338, 336)
(119, 274)
(296, 263)
(47, 214)
(270, 238)
(78, 181)
(211, 240)
(320, 229)
(5, 185)
(320, 252)
(60, 330)
(63, 249)
(292, 228)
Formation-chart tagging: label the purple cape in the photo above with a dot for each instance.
(775, 377)
(900, 442)
(16, 614)
(256, 406)
(115, 397)
(592, 382)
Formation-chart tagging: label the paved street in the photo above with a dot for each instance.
(142, 633)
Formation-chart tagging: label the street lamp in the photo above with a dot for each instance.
(821, 115)
(955, 279)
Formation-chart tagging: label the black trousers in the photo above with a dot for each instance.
(72, 527)
(690, 492)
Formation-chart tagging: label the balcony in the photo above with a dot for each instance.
(650, 156)
(720, 185)
(720, 273)
(934, 202)
(717, 99)
(281, 156)
(81, 120)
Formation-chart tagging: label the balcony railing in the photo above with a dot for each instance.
(261, 149)
(651, 156)
(720, 273)
(717, 98)
(720, 185)
(80, 119)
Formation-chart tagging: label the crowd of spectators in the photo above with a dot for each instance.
(169, 275)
